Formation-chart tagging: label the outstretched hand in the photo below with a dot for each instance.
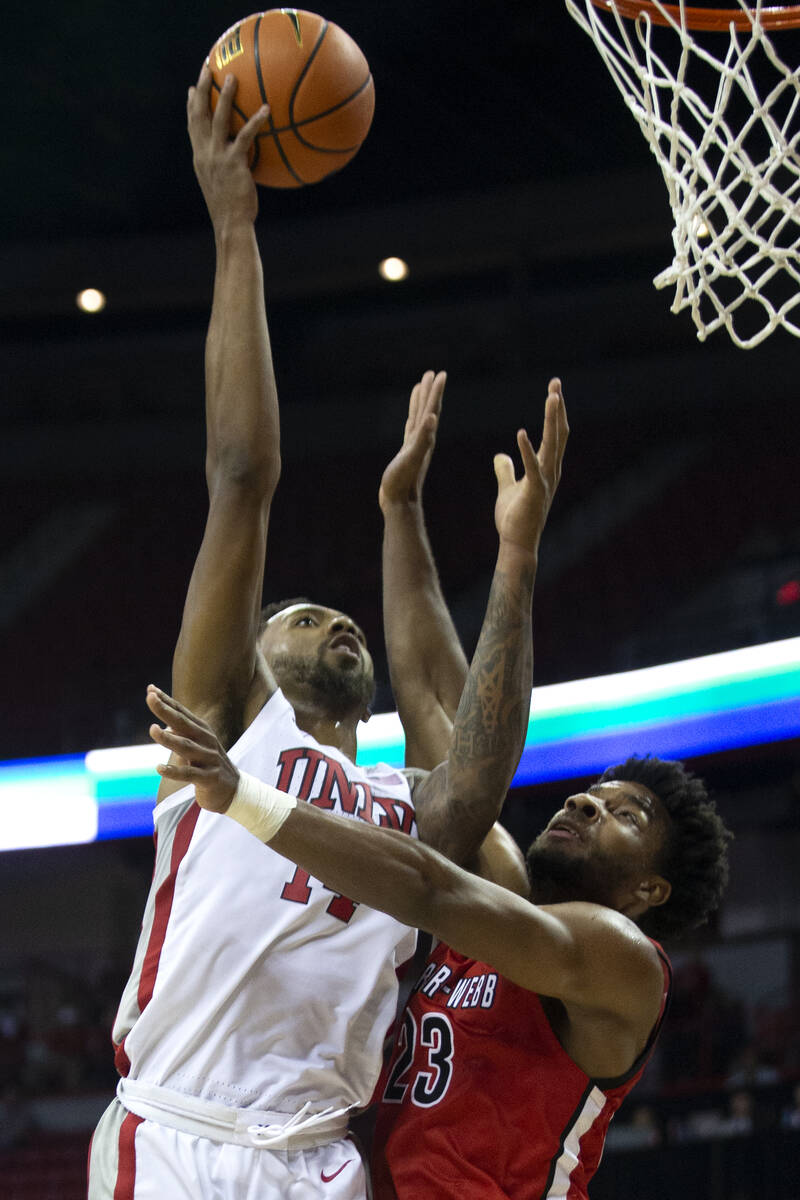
(523, 504)
(222, 161)
(201, 759)
(404, 476)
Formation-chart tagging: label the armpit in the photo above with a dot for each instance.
(414, 775)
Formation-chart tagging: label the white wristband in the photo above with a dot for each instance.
(261, 809)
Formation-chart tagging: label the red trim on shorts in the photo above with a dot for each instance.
(126, 1161)
(121, 1060)
(163, 907)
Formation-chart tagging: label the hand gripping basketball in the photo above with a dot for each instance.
(316, 82)
(221, 163)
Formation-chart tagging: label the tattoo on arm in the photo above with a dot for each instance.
(492, 716)
(491, 722)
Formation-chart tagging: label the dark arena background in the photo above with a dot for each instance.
(503, 168)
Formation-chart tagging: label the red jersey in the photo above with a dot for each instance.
(482, 1101)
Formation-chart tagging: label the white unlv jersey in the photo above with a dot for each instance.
(253, 985)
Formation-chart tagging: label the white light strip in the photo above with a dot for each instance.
(667, 677)
(122, 760)
(384, 729)
(35, 813)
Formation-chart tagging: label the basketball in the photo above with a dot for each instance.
(317, 83)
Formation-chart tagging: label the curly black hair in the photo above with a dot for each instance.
(695, 856)
(269, 610)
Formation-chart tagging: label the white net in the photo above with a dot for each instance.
(721, 113)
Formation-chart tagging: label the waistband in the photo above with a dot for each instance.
(290, 1132)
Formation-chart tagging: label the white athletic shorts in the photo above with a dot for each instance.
(133, 1158)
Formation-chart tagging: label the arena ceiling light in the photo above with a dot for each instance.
(91, 300)
(393, 269)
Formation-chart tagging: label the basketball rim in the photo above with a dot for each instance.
(782, 16)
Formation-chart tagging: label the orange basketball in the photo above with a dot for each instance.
(317, 83)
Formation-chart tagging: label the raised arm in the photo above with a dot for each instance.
(216, 668)
(460, 800)
(427, 665)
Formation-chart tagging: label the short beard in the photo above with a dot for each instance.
(556, 877)
(338, 691)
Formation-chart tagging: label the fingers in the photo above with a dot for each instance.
(183, 772)
(419, 399)
(249, 132)
(177, 717)
(554, 434)
(221, 120)
(418, 444)
(503, 471)
(197, 106)
(428, 409)
(187, 748)
(529, 459)
(426, 399)
(185, 736)
(436, 393)
(201, 119)
(554, 388)
(425, 385)
(204, 80)
(413, 408)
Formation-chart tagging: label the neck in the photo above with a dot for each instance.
(548, 892)
(330, 731)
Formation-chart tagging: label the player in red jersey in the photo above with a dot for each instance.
(536, 1013)
(504, 1078)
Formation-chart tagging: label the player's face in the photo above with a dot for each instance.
(600, 844)
(309, 644)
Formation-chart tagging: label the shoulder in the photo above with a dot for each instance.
(262, 689)
(609, 1025)
(621, 970)
(237, 726)
(599, 928)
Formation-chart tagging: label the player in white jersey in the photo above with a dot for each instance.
(241, 1008)
(254, 1016)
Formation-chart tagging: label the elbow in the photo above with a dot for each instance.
(431, 896)
(474, 805)
(235, 470)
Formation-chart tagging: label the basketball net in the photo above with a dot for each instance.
(727, 145)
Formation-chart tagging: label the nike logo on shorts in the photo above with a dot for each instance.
(327, 1178)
